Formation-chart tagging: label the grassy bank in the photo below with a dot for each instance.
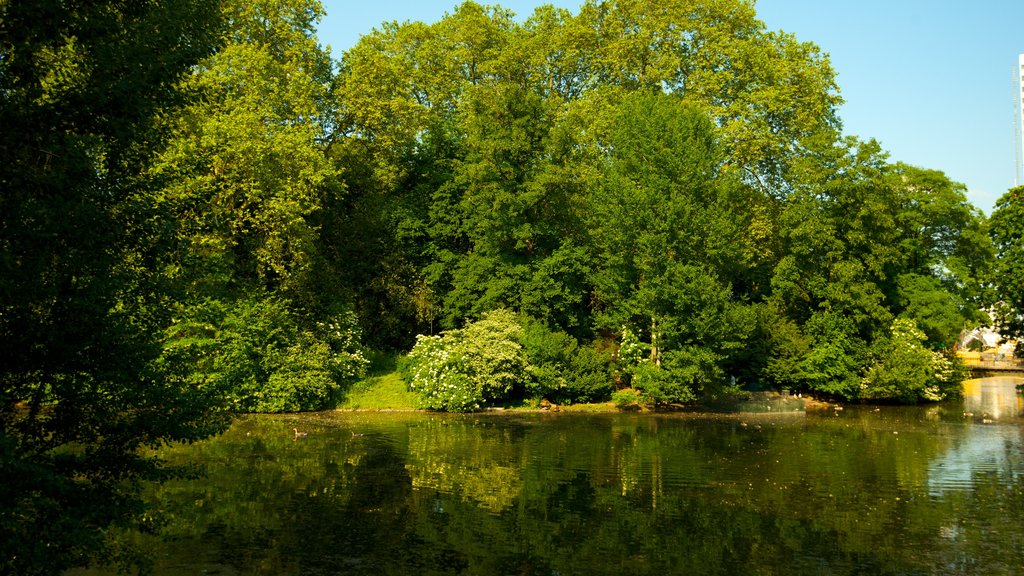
(384, 389)
(388, 391)
(379, 392)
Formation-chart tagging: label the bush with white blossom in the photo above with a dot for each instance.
(906, 371)
(462, 370)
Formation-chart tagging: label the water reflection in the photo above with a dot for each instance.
(994, 398)
(918, 490)
(994, 448)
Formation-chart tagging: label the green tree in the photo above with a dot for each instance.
(261, 357)
(943, 276)
(907, 371)
(246, 169)
(247, 174)
(1006, 226)
(82, 301)
(665, 233)
(561, 370)
(774, 98)
(866, 242)
(483, 138)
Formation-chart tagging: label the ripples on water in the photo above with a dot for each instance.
(889, 490)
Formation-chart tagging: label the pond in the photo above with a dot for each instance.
(867, 490)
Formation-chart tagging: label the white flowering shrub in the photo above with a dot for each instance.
(906, 371)
(343, 337)
(462, 370)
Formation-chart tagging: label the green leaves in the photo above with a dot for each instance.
(256, 354)
(906, 371)
(461, 370)
(664, 238)
(1006, 228)
(83, 87)
(246, 168)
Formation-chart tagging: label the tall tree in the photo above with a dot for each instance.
(666, 234)
(1006, 226)
(943, 276)
(483, 134)
(867, 242)
(83, 239)
(246, 169)
(260, 315)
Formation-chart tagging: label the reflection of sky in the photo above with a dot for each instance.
(993, 449)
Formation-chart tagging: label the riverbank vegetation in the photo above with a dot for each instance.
(206, 212)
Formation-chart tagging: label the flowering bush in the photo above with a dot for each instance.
(343, 338)
(461, 370)
(906, 371)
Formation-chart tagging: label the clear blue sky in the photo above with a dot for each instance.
(931, 81)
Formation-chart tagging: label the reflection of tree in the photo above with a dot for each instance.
(590, 495)
(455, 456)
(269, 503)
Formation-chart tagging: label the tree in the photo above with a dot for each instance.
(1006, 226)
(84, 240)
(247, 174)
(246, 170)
(867, 242)
(665, 235)
(907, 371)
(482, 138)
(773, 98)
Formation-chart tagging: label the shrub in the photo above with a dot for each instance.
(835, 358)
(680, 376)
(588, 378)
(629, 399)
(463, 369)
(255, 354)
(560, 369)
(907, 371)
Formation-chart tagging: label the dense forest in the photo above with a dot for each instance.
(204, 212)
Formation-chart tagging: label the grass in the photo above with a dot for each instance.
(384, 389)
(380, 392)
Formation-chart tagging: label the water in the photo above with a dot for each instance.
(892, 490)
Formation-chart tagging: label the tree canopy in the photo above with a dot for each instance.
(204, 212)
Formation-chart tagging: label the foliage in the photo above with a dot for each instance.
(631, 350)
(561, 369)
(907, 371)
(463, 369)
(833, 363)
(869, 243)
(245, 169)
(254, 353)
(246, 175)
(83, 244)
(666, 237)
(642, 166)
(629, 399)
(936, 311)
(1006, 227)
